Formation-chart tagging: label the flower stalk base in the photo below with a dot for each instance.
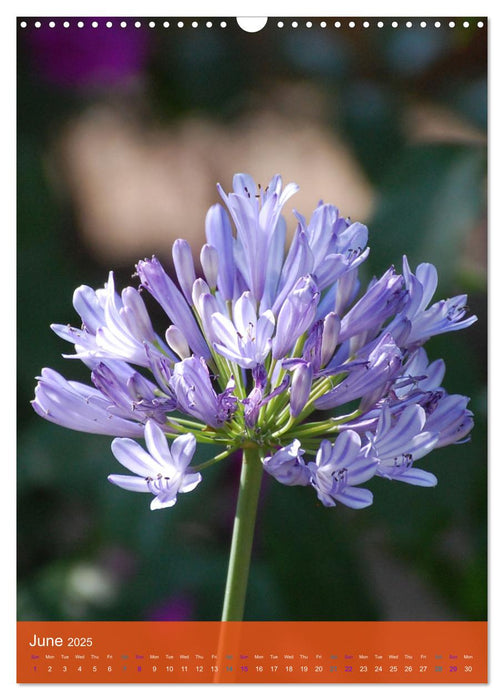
(243, 536)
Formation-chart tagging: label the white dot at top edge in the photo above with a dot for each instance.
(365, 25)
(223, 25)
(309, 25)
(166, 24)
(351, 25)
(294, 24)
(109, 25)
(152, 25)
(124, 24)
(380, 24)
(80, 24)
(466, 24)
(337, 25)
(23, 25)
(52, 25)
(409, 25)
(209, 25)
(280, 25)
(66, 24)
(94, 24)
(194, 24)
(323, 25)
(138, 24)
(395, 25)
(451, 24)
(437, 24)
(423, 24)
(37, 25)
(481, 24)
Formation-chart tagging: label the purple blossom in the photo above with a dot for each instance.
(161, 471)
(382, 299)
(196, 396)
(256, 215)
(419, 375)
(246, 340)
(337, 246)
(287, 465)
(113, 326)
(450, 418)
(130, 391)
(399, 441)
(80, 407)
(375, 368)
(441, 317)
(339, 468)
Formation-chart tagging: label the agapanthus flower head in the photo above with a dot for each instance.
(273, 349)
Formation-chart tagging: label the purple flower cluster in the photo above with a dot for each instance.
(257, 349)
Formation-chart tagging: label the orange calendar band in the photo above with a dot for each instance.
(254, 652)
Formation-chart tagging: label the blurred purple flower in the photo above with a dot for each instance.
(88, 57)
(178, 607)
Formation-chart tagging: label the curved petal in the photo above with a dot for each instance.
(159, 502)
(133, 457)
(244, 313)
(427, 274)
(417, 477)
(225, 331)
(354, 497)
(182, 451)
(130, 483)
(189, 482)
(157, 444)
(346, 448)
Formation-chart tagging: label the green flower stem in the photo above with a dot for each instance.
(213, 460)
(186, 423)
(318, 429)
(243, 535)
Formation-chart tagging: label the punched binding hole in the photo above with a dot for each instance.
(251, 24)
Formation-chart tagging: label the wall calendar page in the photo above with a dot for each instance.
(252, 347)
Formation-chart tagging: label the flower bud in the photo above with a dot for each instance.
(210, 263)
(177, 342)
(296, 315)
(220, 236)
(184, 266)
(329, 337)
(300, 389)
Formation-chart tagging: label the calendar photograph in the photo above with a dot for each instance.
(252, 349)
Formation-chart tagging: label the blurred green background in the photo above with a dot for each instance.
(122, 135)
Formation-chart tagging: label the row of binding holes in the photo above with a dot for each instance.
(123, 24)
(365, 24)
(280, 24)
